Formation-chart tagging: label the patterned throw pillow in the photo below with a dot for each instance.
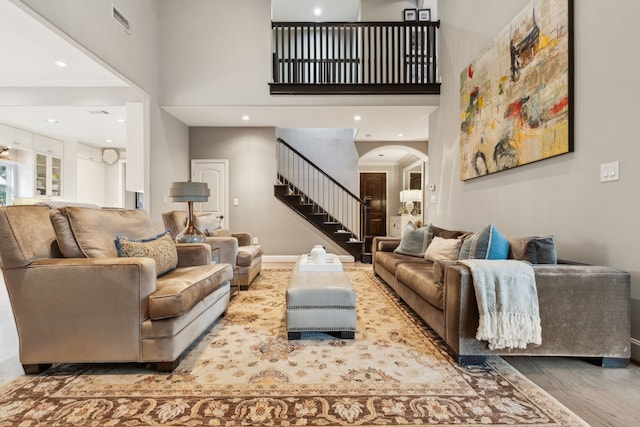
(488, 243)
(414, 240)
(162, 249)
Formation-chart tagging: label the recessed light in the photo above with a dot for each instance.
(108, 141)
(52, 120)
(357, 118)
(317, 11)
(401, 135)
(245, 118)
(62, 64)
(121, 120)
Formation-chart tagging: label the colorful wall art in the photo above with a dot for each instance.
(515, 97)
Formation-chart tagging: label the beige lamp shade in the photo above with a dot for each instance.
(189, 192)
(411, 196)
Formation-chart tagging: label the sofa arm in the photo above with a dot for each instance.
(584, 311)
(244, 239)
(88, 309)
(191, 254)
(227, 248)
(385, 243)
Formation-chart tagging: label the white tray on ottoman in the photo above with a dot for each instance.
(332, 263)
(320, 301)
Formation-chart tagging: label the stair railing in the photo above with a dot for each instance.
(324, 193)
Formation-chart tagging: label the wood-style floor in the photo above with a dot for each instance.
(602, 397)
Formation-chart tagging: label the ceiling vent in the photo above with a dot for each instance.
(120, 19)
(98, 112)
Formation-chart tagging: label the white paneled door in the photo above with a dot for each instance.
(215, 173)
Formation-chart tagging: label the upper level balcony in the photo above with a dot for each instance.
(355, 58)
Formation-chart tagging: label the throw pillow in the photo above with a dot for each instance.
(162, 249)
(465, 246)
(534, 249)
(414, 240)
(442, 249)
(488, 243)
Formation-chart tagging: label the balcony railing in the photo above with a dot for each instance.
(355, 58)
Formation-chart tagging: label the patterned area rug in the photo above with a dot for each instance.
(245, 372)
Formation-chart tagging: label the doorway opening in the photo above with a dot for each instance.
(391, 175)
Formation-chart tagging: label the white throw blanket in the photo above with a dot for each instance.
(507, 302)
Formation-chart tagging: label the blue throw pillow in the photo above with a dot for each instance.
(488, 243)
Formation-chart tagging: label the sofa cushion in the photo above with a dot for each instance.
(414, 240)
(177, 292)
(534, 249)
(64, 235)
(488, 243)
(219, 232)
(419, 277)
(161, 248)
(246, 254)
(205, 221)
(391, 260)
(90, 233)
(449, 234)
(442, 249)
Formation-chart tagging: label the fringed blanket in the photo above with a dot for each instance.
(507, 303)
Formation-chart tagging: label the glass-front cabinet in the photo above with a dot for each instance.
(48, 175)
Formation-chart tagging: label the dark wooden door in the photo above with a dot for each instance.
(374, 185)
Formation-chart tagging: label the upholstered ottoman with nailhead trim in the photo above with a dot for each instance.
(320, 301)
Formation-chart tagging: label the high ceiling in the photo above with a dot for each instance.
(31, 84)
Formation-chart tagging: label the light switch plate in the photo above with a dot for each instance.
(235, 202)
(610, 171)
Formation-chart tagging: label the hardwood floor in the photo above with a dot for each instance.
(601, 396)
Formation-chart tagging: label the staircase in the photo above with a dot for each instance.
(323, 202)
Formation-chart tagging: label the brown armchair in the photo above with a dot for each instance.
(233, 248)
(94, 306)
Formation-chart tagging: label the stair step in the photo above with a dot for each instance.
(319, 217)
(281, 189)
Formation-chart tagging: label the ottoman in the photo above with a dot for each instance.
(322, 301)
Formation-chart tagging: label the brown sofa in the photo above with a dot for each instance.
(75, 300)
(232, 248)
(584, 310)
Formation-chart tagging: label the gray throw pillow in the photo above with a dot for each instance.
(534, 249)
(414, 240)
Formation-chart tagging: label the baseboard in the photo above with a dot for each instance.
(635, 350)
(293, 258)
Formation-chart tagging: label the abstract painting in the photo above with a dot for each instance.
(515, 97)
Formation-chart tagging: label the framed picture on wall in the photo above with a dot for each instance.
(410, 14)
(424, 15)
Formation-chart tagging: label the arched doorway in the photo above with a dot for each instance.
(386, 171)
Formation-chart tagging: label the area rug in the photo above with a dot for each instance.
(244, 371)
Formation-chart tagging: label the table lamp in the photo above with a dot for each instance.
(189, 192)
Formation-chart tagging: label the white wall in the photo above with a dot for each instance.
(386, 10)
(318, 145)
(135, 57)
(252, 175)
(219, 53)
(592, 222)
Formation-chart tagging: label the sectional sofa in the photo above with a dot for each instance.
(584, 309)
